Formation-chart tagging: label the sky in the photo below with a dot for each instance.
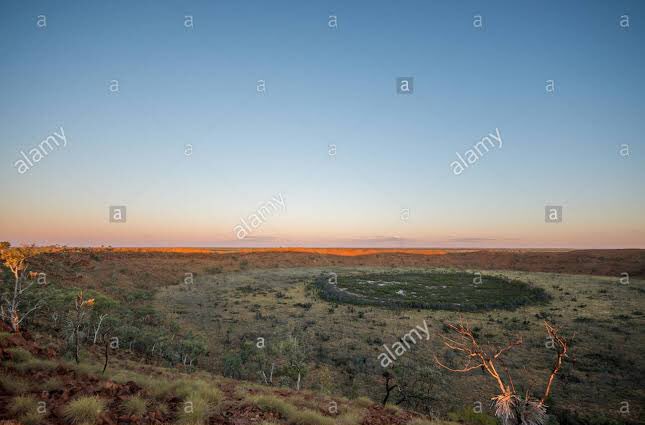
(330, 71)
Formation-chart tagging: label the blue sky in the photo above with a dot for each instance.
(325, 85)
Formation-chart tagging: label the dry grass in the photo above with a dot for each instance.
(194, 411)
(19, 355)
(309, 417)
(350, 418)
(135, 405)
(273, 404)
(53, 383)
(33, 364)
(289, 412)
(84, 410)
(22, 404)
(14, 384)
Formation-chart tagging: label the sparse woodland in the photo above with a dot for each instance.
(100, 331)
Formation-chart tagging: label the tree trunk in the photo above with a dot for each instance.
(14, 317)
(107, 354)
(15, 321)
(76, 346)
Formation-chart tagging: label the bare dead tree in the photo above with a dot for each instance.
(510, 407)
(105, 338)
(269, 380)
(98, 327)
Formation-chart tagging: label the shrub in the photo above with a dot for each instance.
(20, 355)
(308, 417)
(363, 402)
(214, 270)
(84, 410)
(13, 384)
(135, 405)
(469, 417)
(349, 418)
(274, 404)
(194, 411)
(291, 413)
(34, 364)
(51, 384)
(392, 408)
(22, 404)
(420, 421)
(201, 389)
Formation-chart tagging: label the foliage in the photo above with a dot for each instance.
(13, 384)
(468, 416)
(429, 290)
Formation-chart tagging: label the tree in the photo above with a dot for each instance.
(296, 355)
(82, 308)
(387, 377)
(16, 260)
(511, 408)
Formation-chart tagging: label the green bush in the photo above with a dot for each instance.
(469, 417)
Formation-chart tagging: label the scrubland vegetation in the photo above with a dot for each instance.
(278, 344)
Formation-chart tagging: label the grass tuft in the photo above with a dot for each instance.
(309, 417)
(135, 405)
(350, 418)
(363, 402)
(274, 404)
(13, 384)
(19, 355)
(84, 410)
(22, 404)
(291, 413)
(52, 384)
(201, 389)
(25, 409)
(194, 411)
(34, 365)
